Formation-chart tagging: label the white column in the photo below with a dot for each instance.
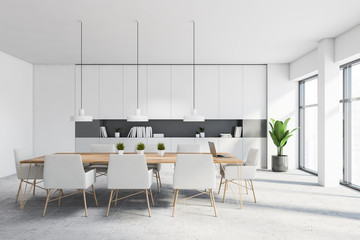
(329, 138)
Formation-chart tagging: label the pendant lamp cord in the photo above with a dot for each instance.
(81, 61)
(137, 64)
(193, 64)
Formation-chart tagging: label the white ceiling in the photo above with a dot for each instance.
(242, 31)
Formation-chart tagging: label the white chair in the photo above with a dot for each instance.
(129, 172)
(152, 148)
(23, 173)
(65, 171)
(246, 172)
(101, 169)
(188, 148)
(195, 171)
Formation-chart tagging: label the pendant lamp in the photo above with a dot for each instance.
(137, 117)
(194, 117)
(81, 117)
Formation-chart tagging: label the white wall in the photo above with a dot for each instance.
(347, 47)
(304, 67)
(54, 104)
(282, 100)
(16, 104)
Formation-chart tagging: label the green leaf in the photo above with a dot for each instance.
(283, 142)
(272, 127)
(276, 142)
(294, 130)
(285, 123)
(279, 130)
(273, 121)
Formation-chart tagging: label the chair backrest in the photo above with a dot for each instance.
(128, 172)
(252, 157)
(103, 148)
(188, 148)
(194, 171)
(63, 171)
(22, 154)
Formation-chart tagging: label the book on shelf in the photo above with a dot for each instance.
(103, 132)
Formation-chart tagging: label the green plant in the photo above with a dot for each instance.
(140, 146)
(117, 129)
(197, 132)
(279, 134)
(161, 146)
(202, 129)
(120, 146)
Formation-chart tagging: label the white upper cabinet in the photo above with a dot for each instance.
(90, 90)
(181, 91)
(207, 91)
(230, 92)
(129, 90)
(254, 92)
(159, 92)
(111, 92)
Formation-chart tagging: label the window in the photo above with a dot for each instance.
(309, 124)
(351, 128)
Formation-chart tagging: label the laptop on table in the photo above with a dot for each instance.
(213, 151)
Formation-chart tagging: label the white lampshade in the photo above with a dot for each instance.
(82, 117)
(137, 117)
(194, 117)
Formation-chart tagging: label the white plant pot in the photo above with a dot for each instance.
(161, 153)
(117, 134)
(140, 151)
(121, 152)
(202, 134)
(197, 135)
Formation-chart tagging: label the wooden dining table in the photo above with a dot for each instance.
(103, 158)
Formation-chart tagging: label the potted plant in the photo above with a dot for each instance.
(117, 132)
(161, 148)
(280, 135)
(120, 147)
(140, 147)
(197, 135)
(202, 132)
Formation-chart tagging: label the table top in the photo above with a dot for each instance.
(103, 158)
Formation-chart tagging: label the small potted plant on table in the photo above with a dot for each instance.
(280, 135)
(117, 132)
(140, 147)
(197, 135)
(120, 147)
(161, 149)
(202, 132)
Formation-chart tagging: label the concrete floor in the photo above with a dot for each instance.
(290, 206)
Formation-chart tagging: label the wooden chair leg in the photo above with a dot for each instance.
(175, 199)
(60, 193)
(17, 196)
(93, 190)
(47, 201)
(246, 187)
(116, 196)
(160, 180)
(253, 190)
(34, 186)
(84, 195)
(111, 196)
(152, 198)
(157, 181)
(225, 188)
(221, 182)
(147, 200)
(213, 201)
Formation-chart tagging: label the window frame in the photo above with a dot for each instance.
(302, 108)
